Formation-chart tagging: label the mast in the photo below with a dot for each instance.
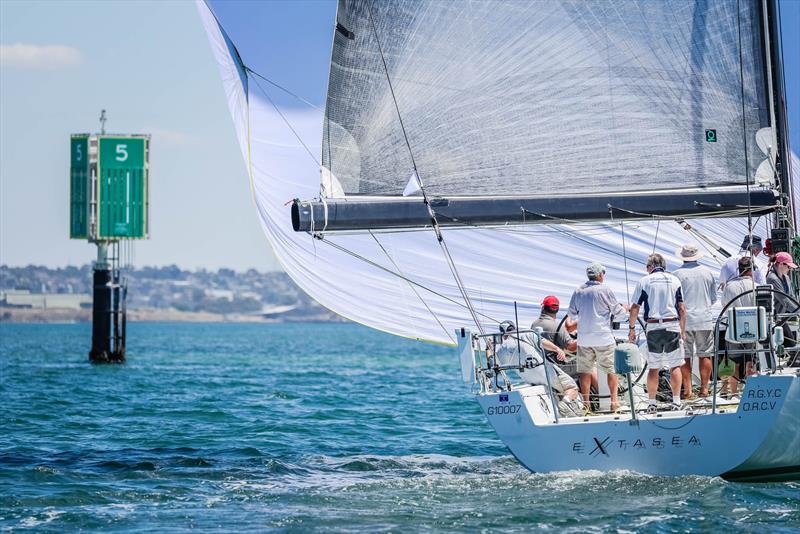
(770, 13)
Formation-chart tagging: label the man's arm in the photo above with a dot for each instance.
(572, 311)
(712, 290)
(632, 323)
(552, 347)
(682, 315)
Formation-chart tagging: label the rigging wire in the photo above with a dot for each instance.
(414, 289)
(655, 239)
(437, 230)
(744, 132)
(288, 124)
(285, 90)
(625, 261)
(399, 275)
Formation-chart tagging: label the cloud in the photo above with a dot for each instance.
(29, 56)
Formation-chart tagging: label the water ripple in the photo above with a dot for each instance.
(211, 427)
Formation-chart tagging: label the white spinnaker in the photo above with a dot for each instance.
(497, 265)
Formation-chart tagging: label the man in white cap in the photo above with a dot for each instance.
(659, 293)
(593, 305)
(521, 349)
(699, 291)
(730, 269)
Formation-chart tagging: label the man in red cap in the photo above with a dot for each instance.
(548, 322)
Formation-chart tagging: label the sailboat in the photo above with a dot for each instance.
(477, 155)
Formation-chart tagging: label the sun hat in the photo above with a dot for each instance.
(689, 252)
(785, 257)
(595, 269)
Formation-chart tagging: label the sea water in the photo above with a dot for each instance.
(300, 427)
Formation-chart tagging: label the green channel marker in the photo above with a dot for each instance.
(79, 187)
(122, 187)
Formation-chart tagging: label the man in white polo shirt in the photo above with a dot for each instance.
(593, 305)
(659, 293)
(699, 292)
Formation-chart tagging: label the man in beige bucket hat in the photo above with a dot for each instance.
(699, 294)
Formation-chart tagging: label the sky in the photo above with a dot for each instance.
(148, 63)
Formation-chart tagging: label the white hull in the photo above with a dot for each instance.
(757, 438)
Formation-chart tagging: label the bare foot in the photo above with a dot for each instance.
(614, 406)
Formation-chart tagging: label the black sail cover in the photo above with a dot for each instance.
(504, 98)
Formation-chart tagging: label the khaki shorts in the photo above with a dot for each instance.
(565, 382)
(699, 342)
(604, 356)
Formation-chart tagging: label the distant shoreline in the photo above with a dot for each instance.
(62, 315)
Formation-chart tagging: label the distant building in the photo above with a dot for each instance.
(23, 298)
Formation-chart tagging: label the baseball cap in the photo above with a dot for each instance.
(785, 257)
(747, 244)
(595, 269)
(507, 326)
(550, 301)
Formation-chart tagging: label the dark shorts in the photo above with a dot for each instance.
(663, 341)
(740, 359)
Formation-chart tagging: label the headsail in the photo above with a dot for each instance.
(399, 281)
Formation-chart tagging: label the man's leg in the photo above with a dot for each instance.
(705, 375)
(652, 384)
(586, 384)
(675, 379)
(686, 377)
(706, 353)
(686, 369)
(733, 381)
(612, 387)
(584, 364)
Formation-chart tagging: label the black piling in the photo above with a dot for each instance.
(108, 317)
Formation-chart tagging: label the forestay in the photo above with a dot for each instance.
(400, 282)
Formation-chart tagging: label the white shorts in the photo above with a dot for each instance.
(664, 348)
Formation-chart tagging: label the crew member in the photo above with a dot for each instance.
(593, 305)
(664, 313)
(729, 269)
(743, 283)
(778, 277)
(521, 350)
(699, 292)
(548, 322)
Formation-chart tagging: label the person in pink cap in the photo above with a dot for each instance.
(778, 277)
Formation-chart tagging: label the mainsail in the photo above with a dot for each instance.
(510, 98)
(482, 104)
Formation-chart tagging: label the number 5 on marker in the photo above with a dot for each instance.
(122, 152)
